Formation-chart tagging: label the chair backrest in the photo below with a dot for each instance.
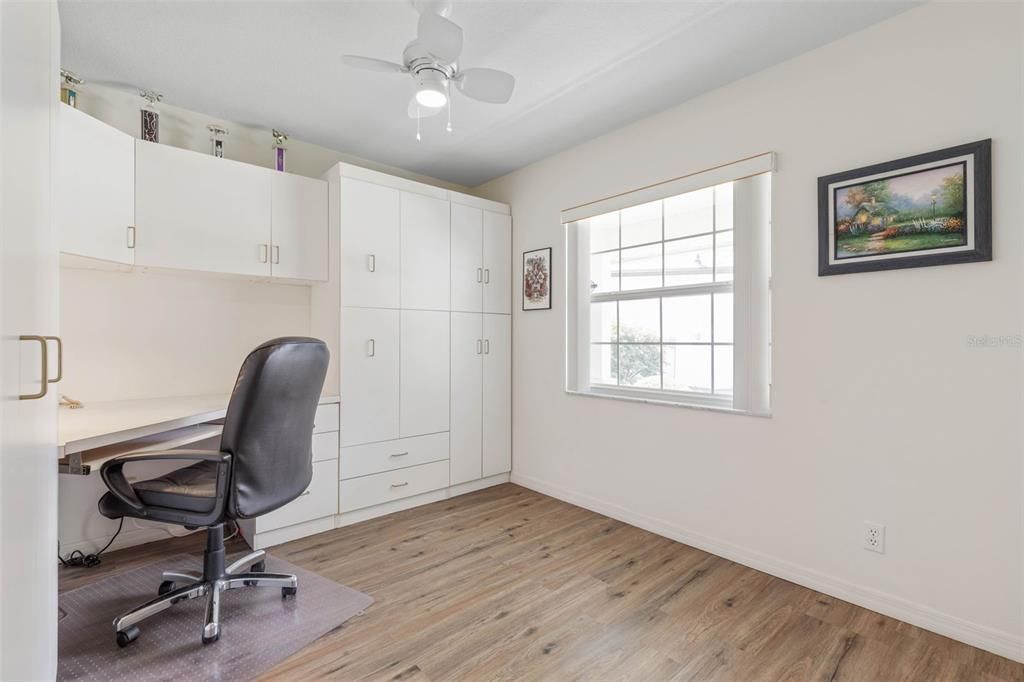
(268, 429)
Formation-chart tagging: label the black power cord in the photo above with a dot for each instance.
(78, 558)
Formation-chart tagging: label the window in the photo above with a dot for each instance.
(669, 297)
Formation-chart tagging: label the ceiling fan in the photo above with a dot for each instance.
(431, 59)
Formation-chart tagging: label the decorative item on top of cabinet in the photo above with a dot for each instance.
(69, 88)
(279, 149)
(216, 142)
(537, 279)
(150, 117)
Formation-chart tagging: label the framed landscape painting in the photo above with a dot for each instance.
(929, 209)
(537, 279)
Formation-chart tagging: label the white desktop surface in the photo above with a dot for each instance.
(104, 423)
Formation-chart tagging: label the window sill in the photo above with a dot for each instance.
(708, 407)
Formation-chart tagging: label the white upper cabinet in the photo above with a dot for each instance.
(497, 394)
(369, 375)
(424, 372)
(497, 262)
(298, 227)
(95, 182)
(369, 250)
(198, 212)
(425, 252)
(467, 269)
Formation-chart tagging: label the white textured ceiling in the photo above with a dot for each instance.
(582, 68)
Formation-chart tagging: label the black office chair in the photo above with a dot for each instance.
(265, 461)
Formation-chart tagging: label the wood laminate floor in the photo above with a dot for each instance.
(506, 583)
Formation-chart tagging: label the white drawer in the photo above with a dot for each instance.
(319, 500)
(361, 460)
(326, 418)
(325, 446)
(366, 491)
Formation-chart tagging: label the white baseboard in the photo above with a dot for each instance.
(998, 642)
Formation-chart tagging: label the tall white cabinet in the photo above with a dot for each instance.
(418, 303)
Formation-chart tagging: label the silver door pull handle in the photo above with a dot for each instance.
(400, 485)
(131, 236)
(371, 263)
(479, 346)
(487, 275)
(371, 348)
(263, 253)
(487, 346)
(277, 254)
(60, 359)
(44, 374)
(400, 454)
(479, 275)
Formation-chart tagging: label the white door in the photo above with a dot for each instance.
(369, 265)
(467, 368)
(369, 375)
(298, 227)
(497, 263)
(29, 97)
(425, 378)
(199, 212)
(467, 258)
(95, 187)
(497, 394)
(425, 252)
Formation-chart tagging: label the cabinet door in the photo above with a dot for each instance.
(198, 212)
(369, 375)
(95, 182)
(425, 378)
(497, 263)
(298, 227)
(467, 368)
(369, 266)
(425, 252)
(467, 258)
(497, 394)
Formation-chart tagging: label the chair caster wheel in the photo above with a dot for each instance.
(126, 637)
(165, 587)
(211, 640)
(259, 567)
(288, 592)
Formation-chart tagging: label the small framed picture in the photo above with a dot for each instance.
(929, 209)
(537, 279)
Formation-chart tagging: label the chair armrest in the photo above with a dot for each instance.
(113, 476)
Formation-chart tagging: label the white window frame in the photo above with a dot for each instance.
(749, 286)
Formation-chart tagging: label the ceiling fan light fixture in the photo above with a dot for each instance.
(430, 91)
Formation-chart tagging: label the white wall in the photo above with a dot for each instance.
(882, 409)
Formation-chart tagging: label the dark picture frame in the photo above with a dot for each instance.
(922, 210)
(537, 279)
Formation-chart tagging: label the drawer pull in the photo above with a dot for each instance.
(371, 263)
(400, 454)
(400, 485)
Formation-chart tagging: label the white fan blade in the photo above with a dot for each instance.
(417, 110)
(486, 85)
(441, 38)
(371, 64)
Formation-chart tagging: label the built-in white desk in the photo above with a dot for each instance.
(96, 432)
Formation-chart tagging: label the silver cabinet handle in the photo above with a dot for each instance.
(487, 275)
(487, 346)
(60, 359)
(263, 253)
(277, 254)
(131, 237)
(371, 263)
(371, 348)
(479, 275)
(44, 373)
(479, 346)
(400, 454)
(400, 485)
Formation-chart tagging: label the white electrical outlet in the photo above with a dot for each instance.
(874, 537)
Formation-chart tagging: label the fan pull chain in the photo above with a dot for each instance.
(448, 92)
(418, 138)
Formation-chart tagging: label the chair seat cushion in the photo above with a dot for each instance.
(191, 488)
